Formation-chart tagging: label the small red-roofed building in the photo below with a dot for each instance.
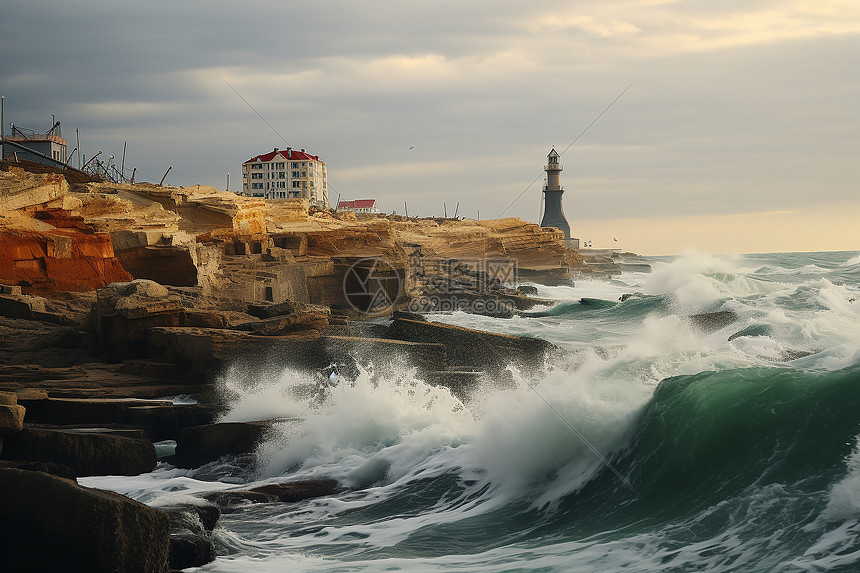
(359, 206)
(286, 174)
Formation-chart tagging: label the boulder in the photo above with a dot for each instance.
(165, 422)
(209, 348)
(55, 469)
(191, 543)
(290, 492)
(709, 322)
(53, 524)
(470, 347)
(161, 419)
(285, 308)
(295, 322)
(126, 311)
(87, 451)
(63, 411)
(408, 315)
(11, 413)
(198, 445)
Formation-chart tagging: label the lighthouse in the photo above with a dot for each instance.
(553, 215)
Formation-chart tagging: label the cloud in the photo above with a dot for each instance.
(739, 105)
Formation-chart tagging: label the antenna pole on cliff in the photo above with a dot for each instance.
(133, 171)
(406, 209)
(91, 158)
(2, 126)
(228, 181)
(165, 175)
(122, 164)
(457, 208)
(444, 209)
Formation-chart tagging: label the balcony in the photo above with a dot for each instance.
(553, 167)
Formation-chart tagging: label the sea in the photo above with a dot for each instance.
(652, 444)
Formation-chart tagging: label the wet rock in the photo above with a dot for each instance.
(160, 419)
(290, 492)
(264, 311)
(87, 451)
(63, 411)
(408, 315)
(165, 422)
(709, 322)
(528, 289)
(191, 543)
(210, 348)
(199, 445)
(285, 324)
(469, 347)
(56, 525)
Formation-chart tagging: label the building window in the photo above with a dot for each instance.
(282, 175)
(296, 184)
(256, 175)
(256, 166)
(294, 165)
(256, 185)
(295, 174)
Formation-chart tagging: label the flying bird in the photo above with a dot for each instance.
(413, 147)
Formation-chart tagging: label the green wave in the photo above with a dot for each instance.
(704, 436)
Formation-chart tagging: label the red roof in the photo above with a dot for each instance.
(357, 204)
(288, 154)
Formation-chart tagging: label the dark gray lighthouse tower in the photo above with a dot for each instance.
(553, 215)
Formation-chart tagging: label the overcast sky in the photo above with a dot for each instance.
(740, 133)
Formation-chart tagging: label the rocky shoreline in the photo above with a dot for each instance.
(121, 304)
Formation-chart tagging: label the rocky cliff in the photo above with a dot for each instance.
(56, 236)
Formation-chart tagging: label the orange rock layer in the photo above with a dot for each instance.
(58, 260)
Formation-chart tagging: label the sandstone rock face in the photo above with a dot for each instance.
(126, 311)
(19, 188)
(58, 260)
(56, 525)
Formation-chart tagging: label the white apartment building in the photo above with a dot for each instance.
(286, 174)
